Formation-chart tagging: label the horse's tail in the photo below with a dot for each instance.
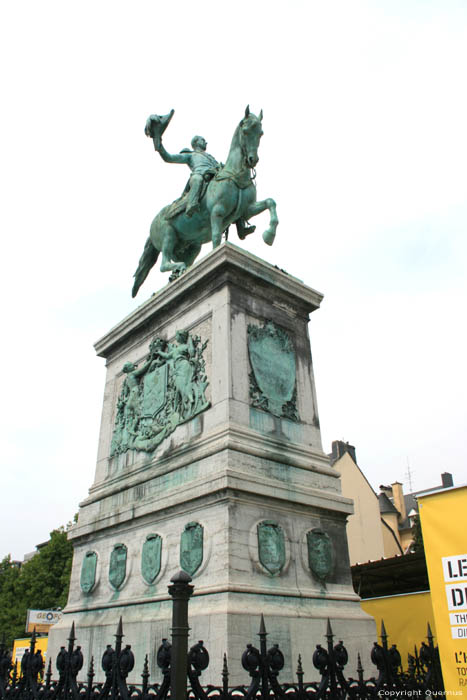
(146, 262)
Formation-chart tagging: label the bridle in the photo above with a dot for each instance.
(245, 155)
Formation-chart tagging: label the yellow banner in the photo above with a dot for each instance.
(20, 646)
(443, 515)
(405, 618)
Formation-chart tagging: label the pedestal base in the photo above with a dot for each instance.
(240, 495)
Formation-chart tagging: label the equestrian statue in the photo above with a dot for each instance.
(215, 196)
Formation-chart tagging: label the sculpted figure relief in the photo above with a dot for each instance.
(215, 196)
(168, 389)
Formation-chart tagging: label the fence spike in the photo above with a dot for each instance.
(329, 632)
(429, 633)
(32, 646)
(262, 627)
(91, 670)
(225, 676)
(300, 675)
(72, 637)
(225, 668)
(360, 670)
(383, 630)
(48, 675)
(145, 675)
(120, 628)
(299, 665)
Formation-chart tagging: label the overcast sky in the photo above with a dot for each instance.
(364, 150)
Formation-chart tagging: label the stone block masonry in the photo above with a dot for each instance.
(210, 460)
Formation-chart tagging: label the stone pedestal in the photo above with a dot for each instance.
(241, 494)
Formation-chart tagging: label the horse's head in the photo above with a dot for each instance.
(250, 132)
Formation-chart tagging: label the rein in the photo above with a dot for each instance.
(241, 178)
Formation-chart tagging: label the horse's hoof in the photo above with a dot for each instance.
(176, 274)
(269, 236)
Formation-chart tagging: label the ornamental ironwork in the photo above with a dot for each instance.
(422, 679)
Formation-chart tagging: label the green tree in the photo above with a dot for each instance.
(417, 535)
(41, 583)
(12, 619)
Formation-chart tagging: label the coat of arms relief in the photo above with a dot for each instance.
(272, 381)
(167, 390)
(320, 553)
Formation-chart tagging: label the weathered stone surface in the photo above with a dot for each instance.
(226, 470)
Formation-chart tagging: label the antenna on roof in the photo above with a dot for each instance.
(409, 474)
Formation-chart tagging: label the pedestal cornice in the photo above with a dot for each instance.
(202, 278)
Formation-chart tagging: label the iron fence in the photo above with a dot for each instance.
(182, 669)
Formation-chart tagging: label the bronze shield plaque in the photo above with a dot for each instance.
(320, 553)
(88, 572)
(151, 558)
(117, 566)
(271, 546)
(272, 358)
(154, 391)
(191, 548)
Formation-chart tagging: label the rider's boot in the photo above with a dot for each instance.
(242, 230)
(196, 183)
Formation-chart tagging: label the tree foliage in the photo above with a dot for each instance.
(40, 583)
(417, 535)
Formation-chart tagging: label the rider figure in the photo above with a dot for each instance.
(203, 167)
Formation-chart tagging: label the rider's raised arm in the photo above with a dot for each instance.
(177, 158)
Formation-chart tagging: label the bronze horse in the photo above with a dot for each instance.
(229, 196)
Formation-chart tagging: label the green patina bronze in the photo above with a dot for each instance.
(191, 548)
(272, 380)
(271, 546)
(215, 196)
(151, 558)
(117, 566)
(320, 553)
(168, 389)
(88, 572)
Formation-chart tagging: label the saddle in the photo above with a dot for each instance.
(178, 206)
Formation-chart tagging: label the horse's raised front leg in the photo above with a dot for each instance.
(217, 224)
(257, 208)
